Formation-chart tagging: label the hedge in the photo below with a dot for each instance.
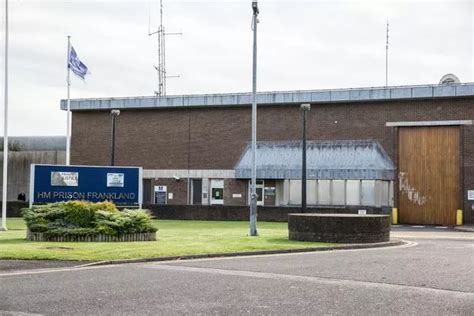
(85, 219)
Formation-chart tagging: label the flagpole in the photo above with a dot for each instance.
(5, 130)
(68, 79)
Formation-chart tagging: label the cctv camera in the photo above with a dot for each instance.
(176, 178)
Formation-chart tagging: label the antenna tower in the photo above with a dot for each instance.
(386, 58)
(160, 67)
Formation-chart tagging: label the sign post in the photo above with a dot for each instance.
(56, 183)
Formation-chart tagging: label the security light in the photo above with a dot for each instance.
(115, 112)
(255, 8)
(305, 107)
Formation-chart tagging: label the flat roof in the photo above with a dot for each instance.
(276, 97)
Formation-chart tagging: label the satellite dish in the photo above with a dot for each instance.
(449, 79)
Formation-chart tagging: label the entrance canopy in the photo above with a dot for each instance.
(326, 160)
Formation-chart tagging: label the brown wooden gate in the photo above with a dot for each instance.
(429, 175)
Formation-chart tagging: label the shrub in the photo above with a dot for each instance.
(81, 218)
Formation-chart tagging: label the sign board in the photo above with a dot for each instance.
(160, 194)
(470, 195)
(56, 183)
(362, 212)
(64, 179)
(115, 180)
(269, 191)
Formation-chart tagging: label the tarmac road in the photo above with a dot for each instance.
(432, 275)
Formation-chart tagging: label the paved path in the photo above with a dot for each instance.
(432, 275)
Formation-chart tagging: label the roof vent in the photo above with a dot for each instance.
(449, 79)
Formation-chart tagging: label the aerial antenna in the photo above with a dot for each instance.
(160, 67)
(386, 58)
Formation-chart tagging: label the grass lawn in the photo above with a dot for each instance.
(175, 238)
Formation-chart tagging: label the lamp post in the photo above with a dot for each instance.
(253, 191)
(114, 114)
(305, 109)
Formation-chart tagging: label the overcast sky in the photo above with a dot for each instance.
(302, 45)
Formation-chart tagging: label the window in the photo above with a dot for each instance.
(217, 191)
(338, 192)
(324, 192)
(353, 192)
(368, 192)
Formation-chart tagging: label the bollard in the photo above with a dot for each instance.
(394, 216)
(459, 218)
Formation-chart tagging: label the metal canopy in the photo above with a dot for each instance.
(326, 160)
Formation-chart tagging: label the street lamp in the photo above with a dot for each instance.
(253, 191)
(305, 109)
(114, 114)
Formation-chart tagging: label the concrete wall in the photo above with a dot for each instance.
(19, 169)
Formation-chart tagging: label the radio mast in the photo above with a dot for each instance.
(160, 67)
(386, 57)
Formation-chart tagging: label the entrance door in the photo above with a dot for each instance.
(217, 191)
(161, 194)
(197, 191)
(259, 188)
(429, 175)
(147, 191)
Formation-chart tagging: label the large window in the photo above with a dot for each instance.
(342, 192)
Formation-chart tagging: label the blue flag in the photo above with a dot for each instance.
(76, 65)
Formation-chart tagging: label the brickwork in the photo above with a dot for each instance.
(233, 186)
(241, 213)
(14, 208)
(178, 188)
(468, 171)
(215, 137)
(339, 228)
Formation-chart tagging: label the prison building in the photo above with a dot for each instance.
(410, 147)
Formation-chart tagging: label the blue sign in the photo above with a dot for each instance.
(56, 183)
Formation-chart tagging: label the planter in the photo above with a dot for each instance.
(339, 228)
(31, 236)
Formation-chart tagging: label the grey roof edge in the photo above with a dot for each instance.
(276, 97)
(35, 143)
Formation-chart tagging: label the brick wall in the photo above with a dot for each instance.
(241, 213)
(468, 170)
(339, 229)
(214, 138)
(233, 186)
(178, 188)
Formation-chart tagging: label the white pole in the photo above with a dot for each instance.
(5, 130)
(68, 79)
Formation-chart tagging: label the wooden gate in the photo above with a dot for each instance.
(429, 175)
